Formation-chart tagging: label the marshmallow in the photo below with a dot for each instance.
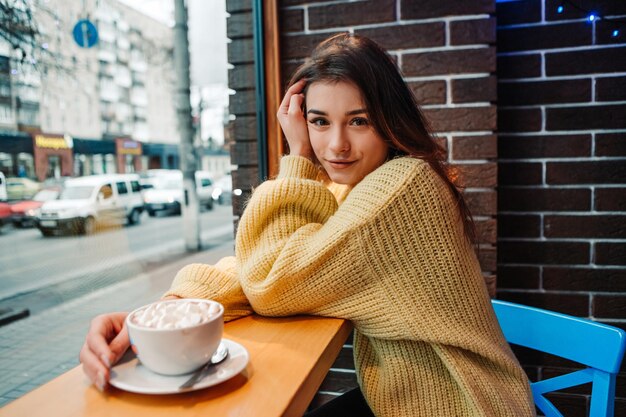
(175, 314)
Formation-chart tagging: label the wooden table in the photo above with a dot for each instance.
(289, 358)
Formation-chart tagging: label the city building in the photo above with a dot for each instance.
(69, 110)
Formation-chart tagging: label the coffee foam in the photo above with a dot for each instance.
(175, 314)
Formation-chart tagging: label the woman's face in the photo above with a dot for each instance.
(342, 136)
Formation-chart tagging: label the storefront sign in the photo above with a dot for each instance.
(53, 142)
(128, 147)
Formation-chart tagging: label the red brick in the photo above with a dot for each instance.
(573, 304)
(238, 5)
(241, 77)
(487, 259)
(544, 199)
(518, 226)
(596, 60)
(584, 279)
(301, 46)
(586, 117)
(474, 147)
(520, 277)
(243, 152)
(611, 88)
(586, 172)
(481, 203)
(543, 252)
(585, 226)
(519, 173)
(516, 12)
(350, 14)
(407, 36)
(486, 231)
(411, 9)
(544, 92)
(291, 20)
(239, 25)
(239, 203)
(285, 3)
(243, 103)
(467, 90)
(471, 32)
(241, 51)
(519, 66)
(611, 253)
(478, 175)
(544, 37)
(519, 120)
(288, 68)
(462, 118)
(245, 177)
(450, 62)
(610, 199)
(429, 92)
(244, 128)
(609, 306)
(544, 146)
(610, 144)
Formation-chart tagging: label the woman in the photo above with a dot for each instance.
(389, 249)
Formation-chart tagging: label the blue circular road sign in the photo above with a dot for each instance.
(85, 33)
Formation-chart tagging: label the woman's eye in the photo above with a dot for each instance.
(359, 121)
(318, 122)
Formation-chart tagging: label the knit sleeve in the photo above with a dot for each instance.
(295, 255)
(215, 282)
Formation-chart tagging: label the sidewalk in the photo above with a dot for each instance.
(41, 347)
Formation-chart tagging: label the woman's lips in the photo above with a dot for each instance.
(340, 164)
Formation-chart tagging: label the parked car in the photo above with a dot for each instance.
(87, 202)
(3, 187)
(19, 188)
(5, 214)
(164, 190)
(24, 213)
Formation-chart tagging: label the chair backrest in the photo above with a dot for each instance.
(598, 346)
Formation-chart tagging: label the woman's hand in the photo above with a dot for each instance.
(293, 121)
(106, 342)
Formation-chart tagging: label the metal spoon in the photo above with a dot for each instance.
(220, 354)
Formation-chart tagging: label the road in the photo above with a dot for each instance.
(38, 272)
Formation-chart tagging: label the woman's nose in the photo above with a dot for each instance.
(339, 142)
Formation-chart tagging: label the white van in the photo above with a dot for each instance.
(86, 202)
(164, 190)
(3, 187)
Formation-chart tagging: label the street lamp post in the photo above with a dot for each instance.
(188, 163)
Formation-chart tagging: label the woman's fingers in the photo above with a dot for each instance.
(97, 355)
(295, 105)
(296, 88)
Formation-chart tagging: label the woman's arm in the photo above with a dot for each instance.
(215, 282)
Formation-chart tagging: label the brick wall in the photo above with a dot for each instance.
(241, 78)
(562, 167)
(446, 52)
(558, 159)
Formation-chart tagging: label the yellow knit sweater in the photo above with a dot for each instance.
(393, 259)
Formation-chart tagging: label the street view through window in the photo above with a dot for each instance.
(94, 214)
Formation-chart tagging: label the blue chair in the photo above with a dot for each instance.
(597, 346)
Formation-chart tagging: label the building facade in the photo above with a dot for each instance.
(104, 104)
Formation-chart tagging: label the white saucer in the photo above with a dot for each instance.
(130, 375)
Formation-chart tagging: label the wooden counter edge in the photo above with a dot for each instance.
(307, 391)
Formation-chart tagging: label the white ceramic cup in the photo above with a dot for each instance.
(176, 351)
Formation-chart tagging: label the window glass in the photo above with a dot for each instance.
(135, 186)
(121, 188)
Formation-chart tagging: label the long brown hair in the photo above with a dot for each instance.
(391, 105)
